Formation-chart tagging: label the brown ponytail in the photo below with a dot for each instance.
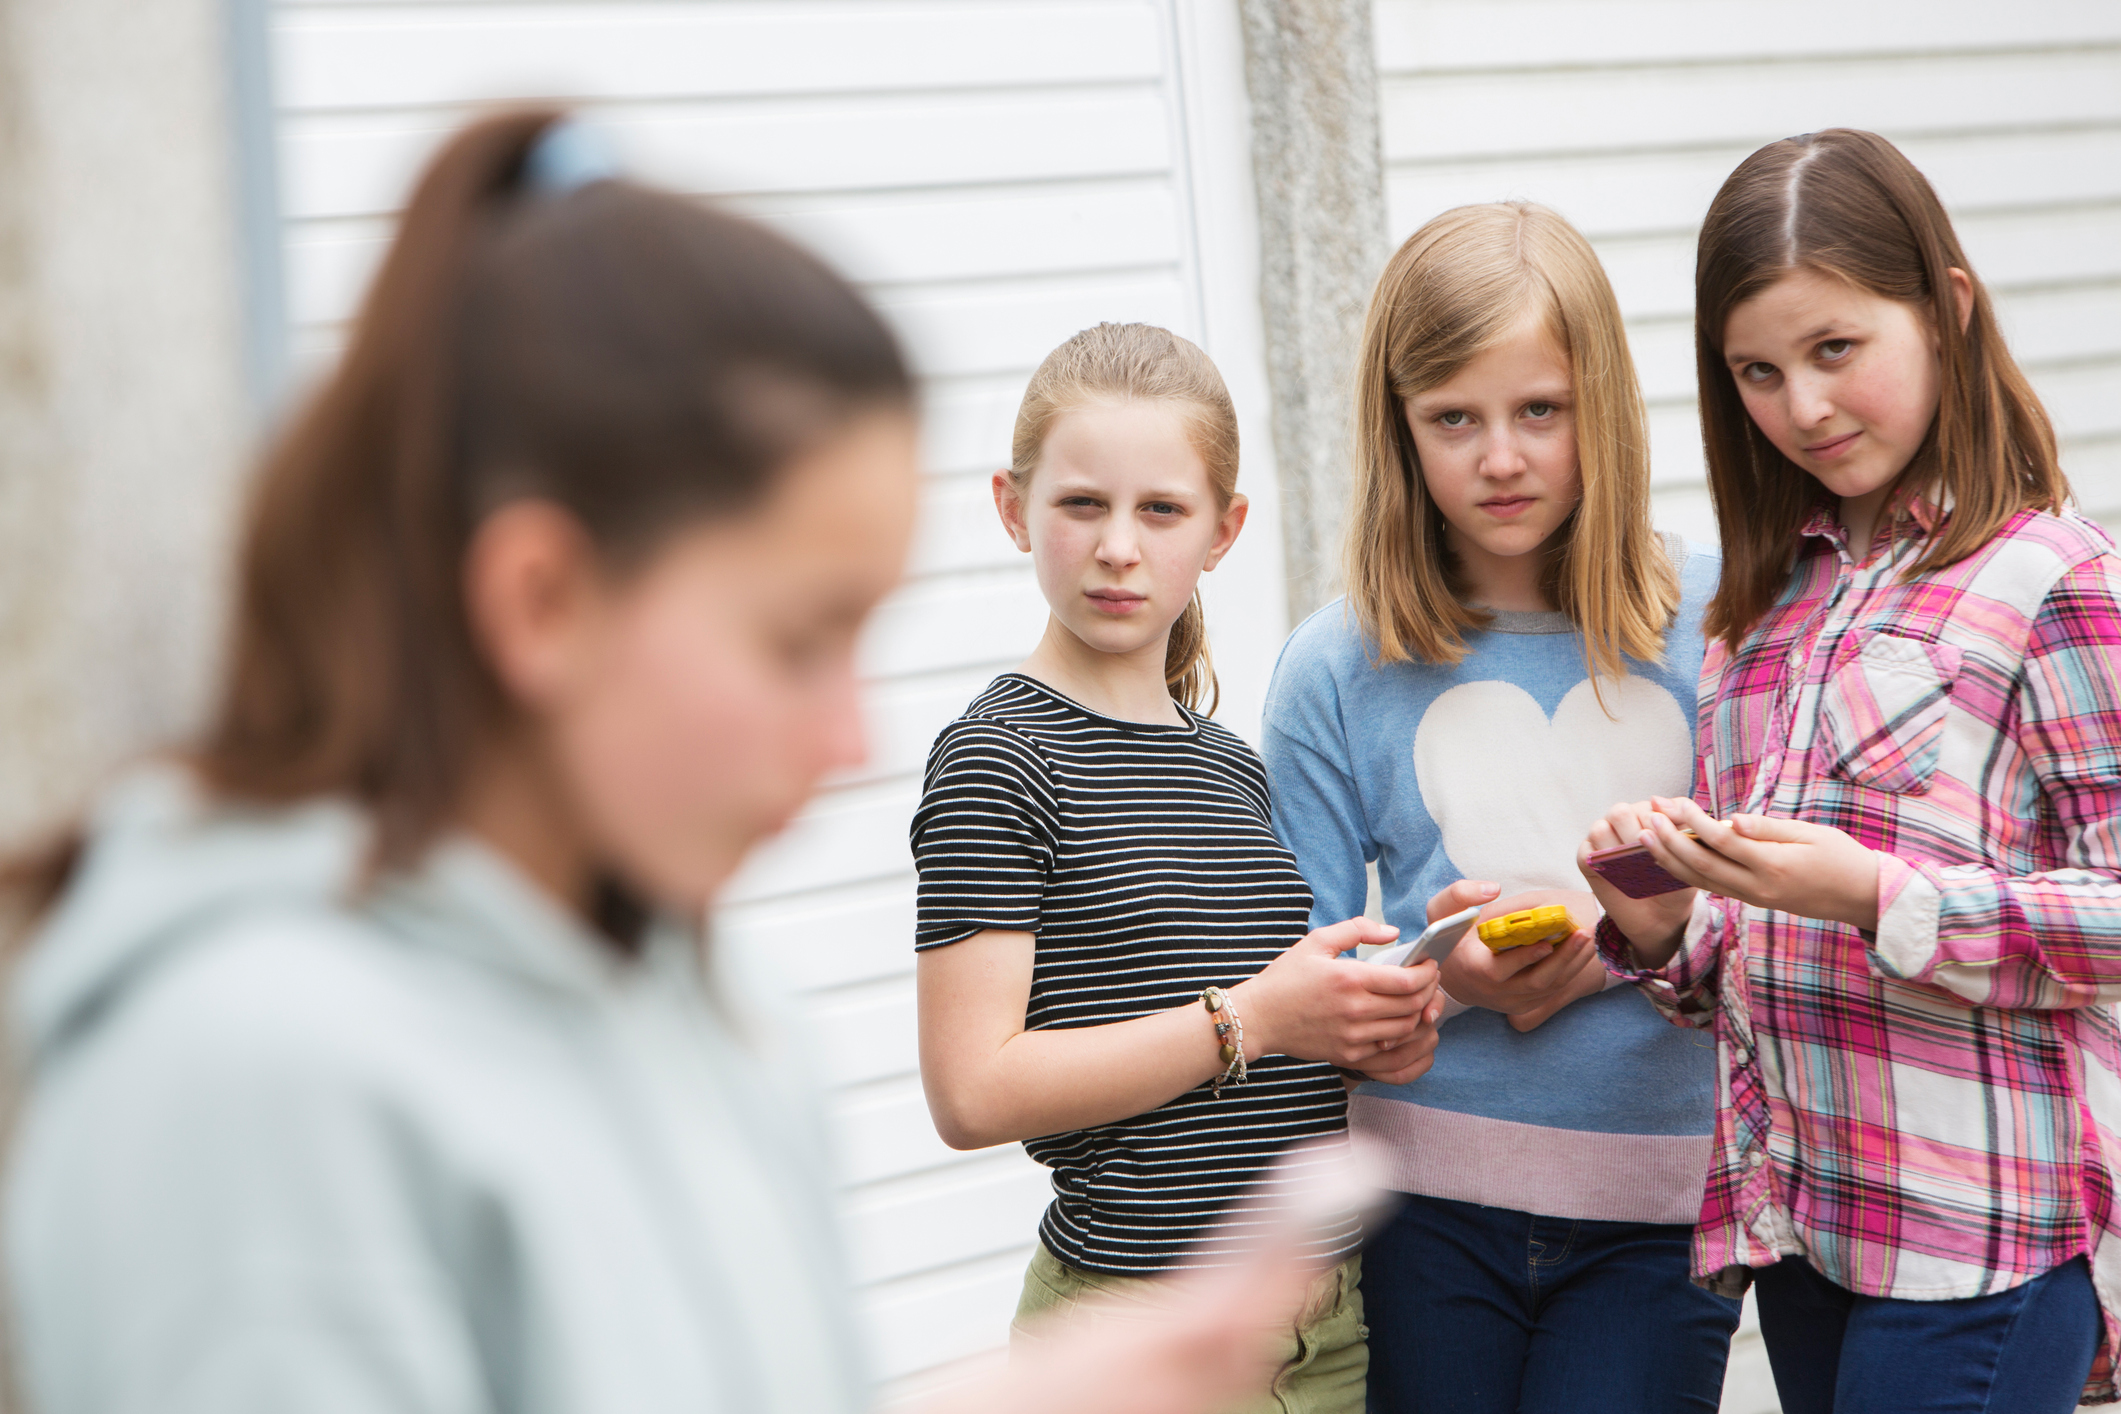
(1141, 362)
(635, 357)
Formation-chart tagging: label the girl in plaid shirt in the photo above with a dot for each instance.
(1903, 919)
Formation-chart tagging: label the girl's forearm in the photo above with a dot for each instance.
(1054, 1080)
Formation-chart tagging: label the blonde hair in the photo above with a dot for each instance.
(1142, 363)
(1458, 287)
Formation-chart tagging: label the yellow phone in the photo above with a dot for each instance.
(1549, 923)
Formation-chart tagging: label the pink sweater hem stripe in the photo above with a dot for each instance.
(1559, 1173)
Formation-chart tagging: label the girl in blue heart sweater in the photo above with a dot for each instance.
(1517, 650)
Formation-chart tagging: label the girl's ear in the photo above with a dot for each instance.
(1226, 528)
(1010, 506)
(532, 591)
(1962, 295)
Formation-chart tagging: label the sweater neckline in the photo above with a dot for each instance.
(1528, 621)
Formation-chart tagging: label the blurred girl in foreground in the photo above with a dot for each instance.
(372, 1062)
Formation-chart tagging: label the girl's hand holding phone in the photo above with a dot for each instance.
(1792, 866)
(1814, 871)
(1528, 984)
(1654, 924)
(1310, 1004)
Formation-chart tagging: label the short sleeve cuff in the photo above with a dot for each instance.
(941, 933)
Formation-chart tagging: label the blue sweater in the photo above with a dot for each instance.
(1493, 769)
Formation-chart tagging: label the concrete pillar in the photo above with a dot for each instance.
(1311, 72)
(125, 417)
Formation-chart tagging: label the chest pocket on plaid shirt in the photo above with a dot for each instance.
(1881, 715)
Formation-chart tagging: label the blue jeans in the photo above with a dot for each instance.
(1477, 1310)
(2022, 1351)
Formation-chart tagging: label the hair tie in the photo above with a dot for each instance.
(570, 153)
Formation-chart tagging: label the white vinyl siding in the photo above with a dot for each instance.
(997, 174)
(1625, 115)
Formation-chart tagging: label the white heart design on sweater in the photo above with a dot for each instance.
(1514, 793)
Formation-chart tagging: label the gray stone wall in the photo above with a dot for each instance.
(124, 414)
(1311, 73)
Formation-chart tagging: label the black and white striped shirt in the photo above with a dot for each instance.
(1142, 858)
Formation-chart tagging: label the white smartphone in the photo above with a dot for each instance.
(1434, 944)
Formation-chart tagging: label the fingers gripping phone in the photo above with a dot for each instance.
(1633, 870)
(1434, 944)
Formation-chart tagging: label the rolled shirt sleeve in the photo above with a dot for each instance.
(2051, 939)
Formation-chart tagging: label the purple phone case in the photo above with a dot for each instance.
(1635, 873)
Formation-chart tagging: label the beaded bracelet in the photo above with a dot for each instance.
(1230, 1031)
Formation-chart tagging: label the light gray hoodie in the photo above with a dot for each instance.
(289, 1146)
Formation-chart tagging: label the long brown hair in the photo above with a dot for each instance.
(1142, 363)
(1456, 288)
(1849, 204)
(637, 358)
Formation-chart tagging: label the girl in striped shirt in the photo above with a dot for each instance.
(1096, 861)
(1904, 913)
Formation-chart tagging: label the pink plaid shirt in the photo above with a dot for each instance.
(1932, 1111)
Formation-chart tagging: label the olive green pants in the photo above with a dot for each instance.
(1325, 1361)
